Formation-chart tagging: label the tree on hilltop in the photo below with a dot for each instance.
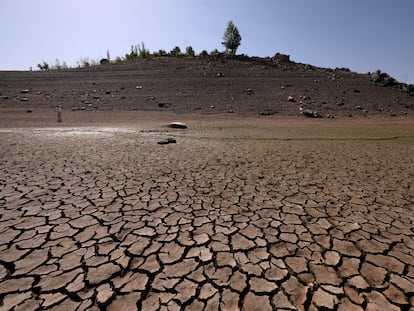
(231, 38)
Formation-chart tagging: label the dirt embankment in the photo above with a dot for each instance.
(184, 85)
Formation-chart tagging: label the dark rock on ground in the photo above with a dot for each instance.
(177, 125)
(311, 113)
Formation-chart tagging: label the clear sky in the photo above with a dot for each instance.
(363, 35)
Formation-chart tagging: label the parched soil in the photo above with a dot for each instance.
(243, 212)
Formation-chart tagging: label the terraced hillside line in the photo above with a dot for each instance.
(117, 222)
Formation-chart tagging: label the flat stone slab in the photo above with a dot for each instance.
(177, 125)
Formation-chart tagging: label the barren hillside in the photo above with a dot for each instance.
(243, 86)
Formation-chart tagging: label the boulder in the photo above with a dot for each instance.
(281, 58)
(311, 113)
(169, 140)
(177, 125)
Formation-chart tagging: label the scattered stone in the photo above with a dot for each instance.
(279, 58)
(139, 87)
(311, 113)
(291, 99)
(177, 125)
(24, 99)
(24, 91)
(249, 91)
(230, 111)
(170, 140)
(29, 111)
(267, 112)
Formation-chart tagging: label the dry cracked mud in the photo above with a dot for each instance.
(232, 217)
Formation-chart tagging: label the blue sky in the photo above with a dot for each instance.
(363, 35)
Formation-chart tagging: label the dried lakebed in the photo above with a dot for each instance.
(228, 218)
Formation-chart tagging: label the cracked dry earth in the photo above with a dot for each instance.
(107, 219)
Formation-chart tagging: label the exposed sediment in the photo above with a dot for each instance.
(113, 221)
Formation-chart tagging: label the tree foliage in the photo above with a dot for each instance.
(189, 51)
(176, 51)
(231, 38)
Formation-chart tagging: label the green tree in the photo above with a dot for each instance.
(189, 51)
(133, 54)
(143, 52)
(203, 53)
(160, 53)
(175, 51)
(231, 38)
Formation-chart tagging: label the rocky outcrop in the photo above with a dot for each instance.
(383, 79)
(281, 58)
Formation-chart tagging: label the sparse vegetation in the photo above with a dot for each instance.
(176, 51)
(160, 53)
(84, 62)
(108, 56)
(133, 53)
(189, 51)
(59, 66)
(203, 54)
(138, 51)
(44, 66)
